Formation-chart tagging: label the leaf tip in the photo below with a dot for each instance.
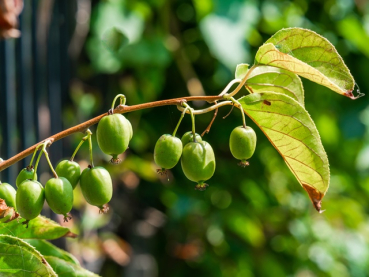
(70, 235)
(315, 197)
(350, 95)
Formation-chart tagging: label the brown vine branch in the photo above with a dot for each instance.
(85, 125)
(124, 109)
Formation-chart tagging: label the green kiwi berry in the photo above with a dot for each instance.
(198, 162)
(69, 170)
(167, 152)
(7, 193)
(97, 186)
(188, 137)
(242, 143)
(113, 134)
(30, 199)
(59, 196)
(25, 174)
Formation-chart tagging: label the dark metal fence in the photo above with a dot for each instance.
(34, 80)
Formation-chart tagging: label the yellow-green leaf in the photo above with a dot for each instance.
(18, 258)
(68, 269)
(241, 70)
(309, 55)
(292, 132)
(273, 79)
(38, 228)
(48, 249)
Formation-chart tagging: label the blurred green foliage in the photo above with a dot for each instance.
(254, 221)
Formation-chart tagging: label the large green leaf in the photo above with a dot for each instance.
(309, 55)
(18, 258)
(38, 228)
(273, 79)
(48, 249)
(68, 269)
(292, 132)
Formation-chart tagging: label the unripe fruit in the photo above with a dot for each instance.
(198, 162)
(97, 186)
(69, 170)
(167, 151)
(113, 135)
(188, 137)
(59, 196)
(7, 193)
(25, 174)
(242, 143)
(30, 199)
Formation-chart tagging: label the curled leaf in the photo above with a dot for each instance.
(7, 214)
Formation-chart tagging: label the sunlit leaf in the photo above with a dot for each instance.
(292, 132)
(48, 249)
(38, 228)
(18, 258)
(273, 79)
(68, 269)
(241, 70)
(309, 55)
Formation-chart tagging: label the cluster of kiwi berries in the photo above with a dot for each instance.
(114, 133)
(197, 156)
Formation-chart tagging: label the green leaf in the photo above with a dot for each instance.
(309, 55)
(48, 249)
(273, 79)
(292, 132)
(18, 258)
(38, 228)
(241, 70)
(68, 269)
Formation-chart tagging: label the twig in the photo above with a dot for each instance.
(207, 130)
(224, 117)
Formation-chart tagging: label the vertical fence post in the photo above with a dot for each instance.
(8, 105)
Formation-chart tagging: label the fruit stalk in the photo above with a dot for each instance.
(36, 164)
(80, 144)
(49, 162)
(192, 119)
(34, 155)
(239, 106)
(179, 122)
(122, 100)
(90, 149)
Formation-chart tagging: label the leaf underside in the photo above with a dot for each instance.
(309, 55)
(273, 79)
(18, 258)
(292, 132)
(38, 228)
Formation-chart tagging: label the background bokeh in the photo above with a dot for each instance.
(254, 221)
